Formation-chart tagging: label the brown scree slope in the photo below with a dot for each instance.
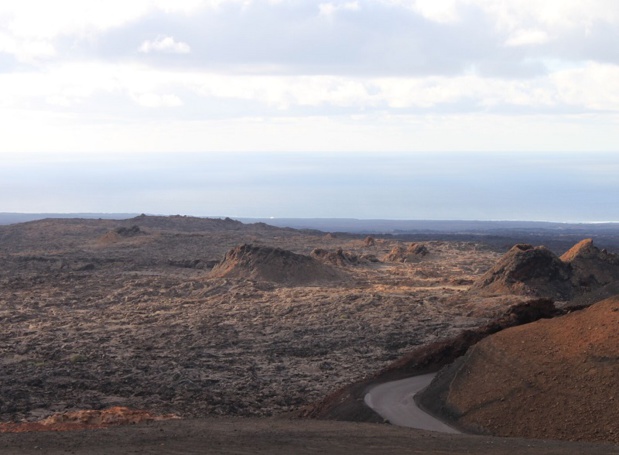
(552, 379)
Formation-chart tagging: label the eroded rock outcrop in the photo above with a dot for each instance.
(369, 241)
(590, 266)
(413, 253)
(527, 270)
(338, 257)
(276, 265)
(537, 271)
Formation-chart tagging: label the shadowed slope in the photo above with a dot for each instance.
(528, 270)
(591, 266)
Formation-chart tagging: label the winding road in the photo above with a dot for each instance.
(394, 402)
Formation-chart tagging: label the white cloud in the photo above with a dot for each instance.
(27, 51)
(395, 62)
(591, 88)
(527, 38)
(154, 100)
(47, 19)
(516, 14)
(166, 44)
(444, 11)
(329, 9)
(594, 87)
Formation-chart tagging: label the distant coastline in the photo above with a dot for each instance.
(353, 225)
(13, 218)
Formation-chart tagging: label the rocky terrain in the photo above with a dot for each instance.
(195, 318)
(202, 317)
(548, 379)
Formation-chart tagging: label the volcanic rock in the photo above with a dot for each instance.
(369, 241)
(527, 270)
(413, 253)
(553, 378)
(590, 266)
(129, 232)
(121, 234)
(339, 257)
(276, 265)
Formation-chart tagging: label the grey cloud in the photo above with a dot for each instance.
(7, 62)
(598, 43)
(293, 38)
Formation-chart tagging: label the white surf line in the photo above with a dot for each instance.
(394, 402)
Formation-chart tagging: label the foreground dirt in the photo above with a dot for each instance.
(269, 436)
(553, 378)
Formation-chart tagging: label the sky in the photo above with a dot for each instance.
(401, 109)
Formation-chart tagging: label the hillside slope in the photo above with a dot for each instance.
(552, 378)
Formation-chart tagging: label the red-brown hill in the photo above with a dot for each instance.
(553, 379)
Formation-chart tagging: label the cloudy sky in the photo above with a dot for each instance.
(367, 108)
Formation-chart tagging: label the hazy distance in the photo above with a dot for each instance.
(398, 186)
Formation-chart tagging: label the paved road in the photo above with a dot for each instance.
(394, 402)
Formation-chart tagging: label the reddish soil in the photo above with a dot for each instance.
(548, 379)
(82, 420)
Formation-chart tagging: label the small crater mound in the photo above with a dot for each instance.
(527, 270)
(413, 253)
(369, 241)
(339, 257)
(590, 266)
(537, 271)
(129, 232)
(276, 265)
(121, 233)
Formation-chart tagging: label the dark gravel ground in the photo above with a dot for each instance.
(268, 436)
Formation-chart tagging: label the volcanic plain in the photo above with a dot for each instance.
(145, 313)
(197, 318)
